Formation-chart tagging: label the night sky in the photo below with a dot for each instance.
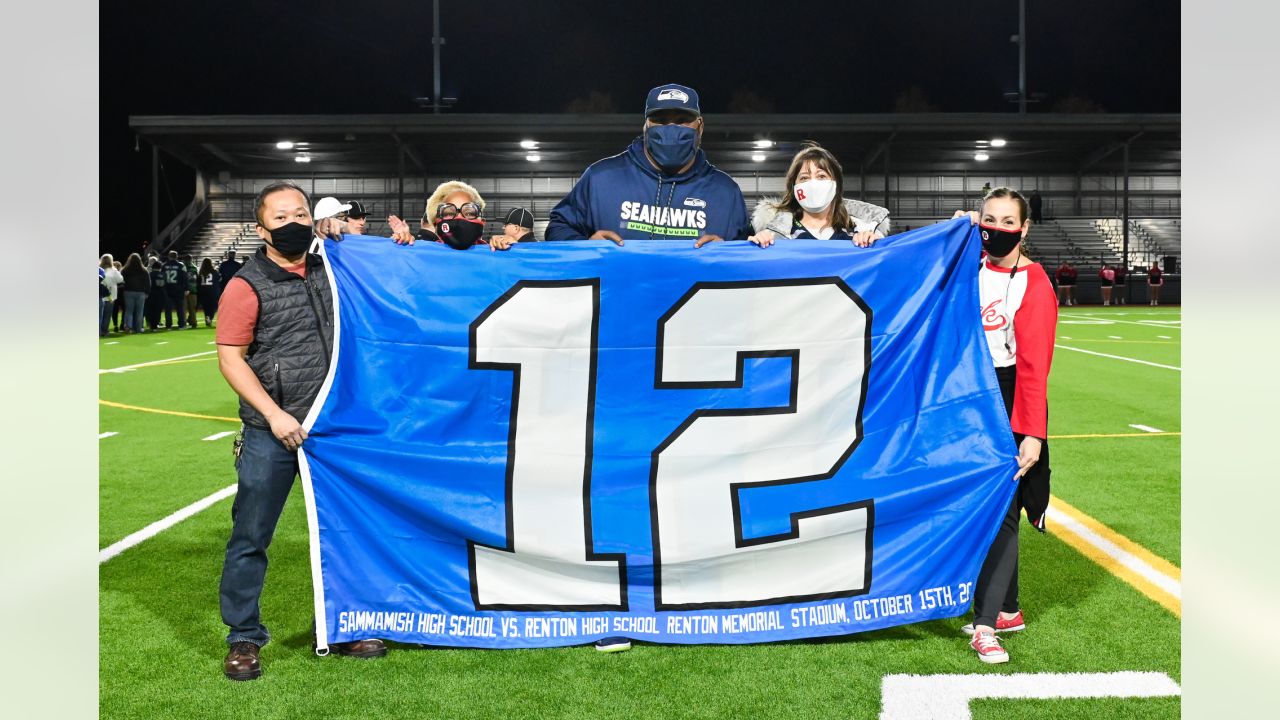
(160, 57)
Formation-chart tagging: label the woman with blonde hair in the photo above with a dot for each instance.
(453, 216)
(812, 206)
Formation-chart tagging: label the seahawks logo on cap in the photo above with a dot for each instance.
(673, 94)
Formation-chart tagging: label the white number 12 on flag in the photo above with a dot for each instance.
(546, 333)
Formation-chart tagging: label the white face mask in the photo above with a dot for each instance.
(815, 195)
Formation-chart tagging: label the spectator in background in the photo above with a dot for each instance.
(137, 283)
(1108, 278)
(1035, 202)
(208, 287)
(191, 301)
(175, 289)
(1060, 281)
(326, 208)
(227, 270)
(110, 279)
(357, 218)
(517, 227)
(1120, 291)
(986, 188)
(660, 187)
(117, 307)
(156, 298)
(1155, 281)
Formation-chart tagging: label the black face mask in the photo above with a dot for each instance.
(999, 243)
(459, 233)
(293, 239)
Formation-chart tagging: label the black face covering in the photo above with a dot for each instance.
(292, 240)
(459, 233)
(997, 242)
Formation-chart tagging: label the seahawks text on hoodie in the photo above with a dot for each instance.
(627, 195)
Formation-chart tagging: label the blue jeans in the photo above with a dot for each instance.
(266, 472)
(104, 315)
(134, 301)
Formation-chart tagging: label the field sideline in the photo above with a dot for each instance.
(1091, 607)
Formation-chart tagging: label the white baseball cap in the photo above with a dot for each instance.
(328, 207)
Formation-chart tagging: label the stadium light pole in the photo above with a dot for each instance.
(436, 42)
(1022, 57)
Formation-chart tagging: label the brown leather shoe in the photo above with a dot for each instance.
(371, 648)
(242, 662)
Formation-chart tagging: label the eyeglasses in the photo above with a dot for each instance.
(449, 211)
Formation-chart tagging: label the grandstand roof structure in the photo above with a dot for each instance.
(490, 144)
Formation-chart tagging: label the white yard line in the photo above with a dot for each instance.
(218, 436)
(1115, 337)
(1164, 337)
(1161, 324)
(1145, 428)
(106, 435)
(128, 368)
(161, 525)
(113, 342)
(1117, 357)
(946, 697)
(1126, 559)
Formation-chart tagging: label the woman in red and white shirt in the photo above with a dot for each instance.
(1020, 318)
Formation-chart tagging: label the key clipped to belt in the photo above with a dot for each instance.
(237, 445)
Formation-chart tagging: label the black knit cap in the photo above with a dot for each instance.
(520, 216)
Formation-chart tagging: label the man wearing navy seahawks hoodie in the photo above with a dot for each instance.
(660, 188)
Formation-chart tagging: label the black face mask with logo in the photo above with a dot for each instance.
(460, 233)
(997, 242)
(291, 240)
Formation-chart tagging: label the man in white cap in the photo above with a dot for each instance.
(326, 216)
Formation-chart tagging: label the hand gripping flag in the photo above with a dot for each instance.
(569, 441)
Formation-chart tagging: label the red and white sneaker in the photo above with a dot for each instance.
(1013, 624)
(988, 648)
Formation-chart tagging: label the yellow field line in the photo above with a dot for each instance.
(1111, 435)
(1148, 573)
(122, 406)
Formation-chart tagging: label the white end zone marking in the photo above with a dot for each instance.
(946, 697)
(163, 524)
(218, 436)
(106, 435)
(1145, 428)
(1118, 357)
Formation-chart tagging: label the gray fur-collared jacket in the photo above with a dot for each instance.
(865, 216)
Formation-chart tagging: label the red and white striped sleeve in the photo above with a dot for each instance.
(1035, 326)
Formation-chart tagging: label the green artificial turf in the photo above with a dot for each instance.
(161, 640)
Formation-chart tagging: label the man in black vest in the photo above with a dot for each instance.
(275, 340)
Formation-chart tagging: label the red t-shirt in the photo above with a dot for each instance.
(238, 309)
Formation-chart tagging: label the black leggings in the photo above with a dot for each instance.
(997, 589)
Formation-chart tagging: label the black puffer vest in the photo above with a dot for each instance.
(293, 340)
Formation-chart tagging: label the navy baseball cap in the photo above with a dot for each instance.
(672, 97)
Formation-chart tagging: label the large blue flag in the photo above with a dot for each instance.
(569, 441)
